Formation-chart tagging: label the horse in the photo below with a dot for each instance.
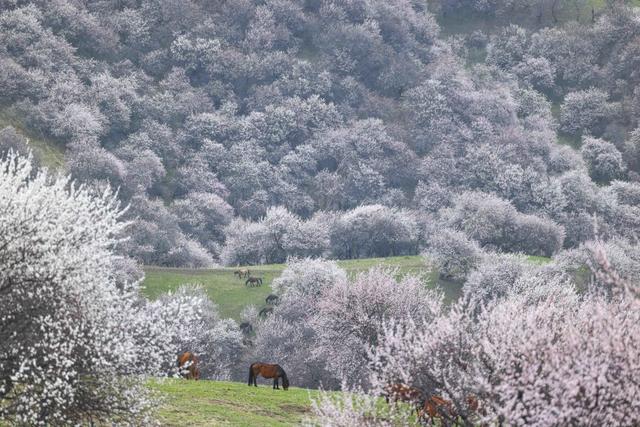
(439, 407)
(188, 366)
(268, 371)
(246, 328)
(254, 281)
(399, 392)
(242, 273)
(272, 299)
(265, 312)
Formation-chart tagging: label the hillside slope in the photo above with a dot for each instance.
(48, 152)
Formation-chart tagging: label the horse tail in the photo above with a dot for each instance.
(251, 374)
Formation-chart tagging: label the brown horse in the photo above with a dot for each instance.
(439, 407)
(268, 371)
(188, 366)
(399, 392)
(242, 273)
(253, 281)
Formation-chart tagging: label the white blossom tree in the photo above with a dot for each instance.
(603, 160)
(64, 337)
(352, 315)
(453, 254)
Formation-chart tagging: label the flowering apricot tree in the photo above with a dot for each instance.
(64, 335)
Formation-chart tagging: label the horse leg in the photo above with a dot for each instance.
(275, 383)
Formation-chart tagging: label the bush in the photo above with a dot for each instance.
(586, 112)
(603, 160)
(374, 230)
(352, 316)
(191, 323)
(453, 254)
(307, 277)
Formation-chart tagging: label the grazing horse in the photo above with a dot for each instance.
(242, 273)
(253, 281)
(246, 328)
(399, 392)
(265, 311)
(272, 299)
(268, 371)
(439, 407)
(188, 366)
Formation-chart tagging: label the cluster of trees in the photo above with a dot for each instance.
(591, 73)
(199, 110)
(366, 231)
(538, 352)
(204, 112)
(536, 12)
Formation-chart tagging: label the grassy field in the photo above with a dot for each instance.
(50, 153)
(232, 295)
(221, 403)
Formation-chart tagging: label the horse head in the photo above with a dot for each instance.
(285, 380)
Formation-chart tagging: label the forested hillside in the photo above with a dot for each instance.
(247, 131)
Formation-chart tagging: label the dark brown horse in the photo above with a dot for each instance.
(242, 273)
(399, 392)
(253, 281)
(265, 312)
(272, 299)
(268, 371)
(188, 366)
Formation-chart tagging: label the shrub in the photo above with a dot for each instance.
(453, 254)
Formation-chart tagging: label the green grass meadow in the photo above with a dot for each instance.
(222, 403)
(231, 295)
